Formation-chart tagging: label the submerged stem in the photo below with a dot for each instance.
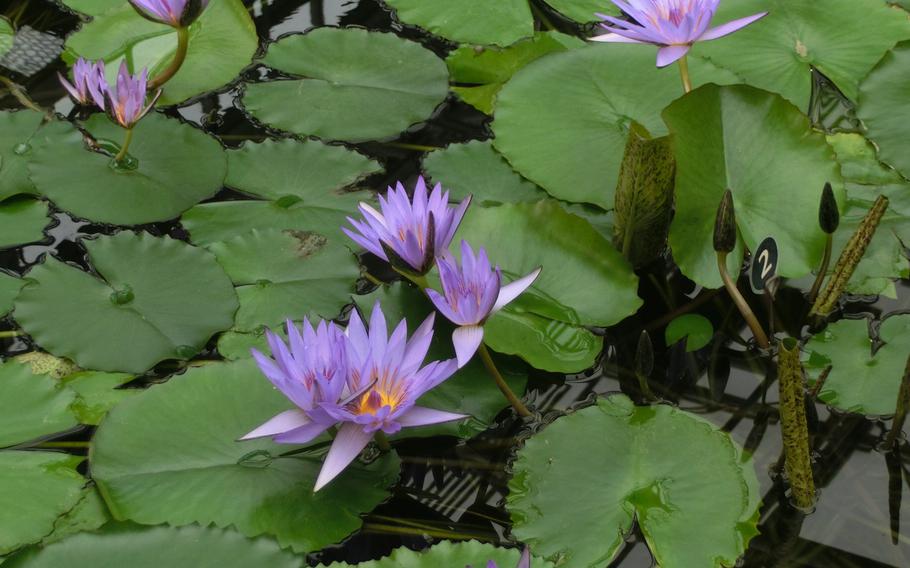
(823, 270)
(125, 146)
(382, 441)
(741, 303)
(684, 73)
(11, 333)
(16, 91)
(183, 42)
(516, 403)
(372, 278)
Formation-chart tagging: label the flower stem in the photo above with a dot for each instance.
(741, 303)
(125, 146)
(382, 441)
(822, 271)
(684, 73)
(12, 333)
(372, 278)
(516, 403)
(183, 42)
(16, 91)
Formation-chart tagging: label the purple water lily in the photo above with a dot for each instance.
(523, 562)
(472, 292)
(672, 25)
(89, 85)
(176, 13)
(125, 102)
(408, 234)
(311, 372)
(389, 369)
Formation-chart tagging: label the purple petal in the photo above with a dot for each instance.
(348, 444)
(614, 38)
(525, 560)
(466, 340)
(280, 423)
(730, 27)
(443, 306)
(514, 289)
(420, 416)
(303, 434)
(671, 54)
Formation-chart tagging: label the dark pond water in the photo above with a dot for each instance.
(456, 490)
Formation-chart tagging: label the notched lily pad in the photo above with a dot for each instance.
(160, 299)
(448, 554)
(32, 405)
(470, 21)
(22, 221)
(694, 496)
(881, 107)
(16, 131)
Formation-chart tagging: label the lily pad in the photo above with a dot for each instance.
(860, 381)
(88, 514)
(160, 299)
(9, 289)
(477, 169)
(171, 455)
(35, 489)
(471, 390)
(448, 554)
(583, 11)
(276, 168)
(284, 275)
(574, 149)
(762, 148)
(686, 484)
(97, 393)
(174, 167)
(31, 406)
(359, 85)
(501, 22)
(6, 36)
(23, 221)
(153, 547)
(881, 110)
(325, 214)
(778, 52)
(16, 131)
(222, 43)
(695, 329)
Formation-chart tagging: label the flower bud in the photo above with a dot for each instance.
(725, 225)
(828, 214)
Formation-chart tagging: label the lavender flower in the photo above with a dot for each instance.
(125, 101)
(672, 25)
(408, 234)
(176, 13)
(389, 369)
(312, 372)
(89, 85)
(473, 291)
(523, 562)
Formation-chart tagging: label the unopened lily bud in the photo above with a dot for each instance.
(828, 214)
(644, 356)
(725, 226)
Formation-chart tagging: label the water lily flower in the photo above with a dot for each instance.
(126, 101)
(523, 562)
(407, 233)
(389, 369)
(311, 372)
(472, 292)
(89, 85)
(176, 13)
(672, 25)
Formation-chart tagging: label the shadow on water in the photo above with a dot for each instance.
(457, 490)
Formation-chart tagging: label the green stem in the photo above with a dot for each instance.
(516, 403)
(62, 445)
(372, 278)
(125, 146)
(16, 91)
(11, 333)
(382, 441)
(741, 303)
(684, 73)
(418, 147)
(822, 271)
(183, 42)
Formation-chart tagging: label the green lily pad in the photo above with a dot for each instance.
(860, 381)
(16, 131)
(23, 221)
(6, 36)
(545, 325)
(325, 214)
(469, 21)
(477, 169)
(284, 275)
(176, 167)
(762, 148)
(42, 363)
(684, 482)
(480, 73)
(31, 406)
(97, 393)
(276, 168)
(88, 514)
(448, 554)
(583, 11)
(695, 329)
(471, 390)
(574, 149)
(160, 299)
(35, 489)
(778, 52)
(222, 42)
(359, 85)
(881, 110)
(9, 289)
(154, 547)
(171, 455)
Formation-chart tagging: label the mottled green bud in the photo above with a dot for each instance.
(644, 356)
(725, 226)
